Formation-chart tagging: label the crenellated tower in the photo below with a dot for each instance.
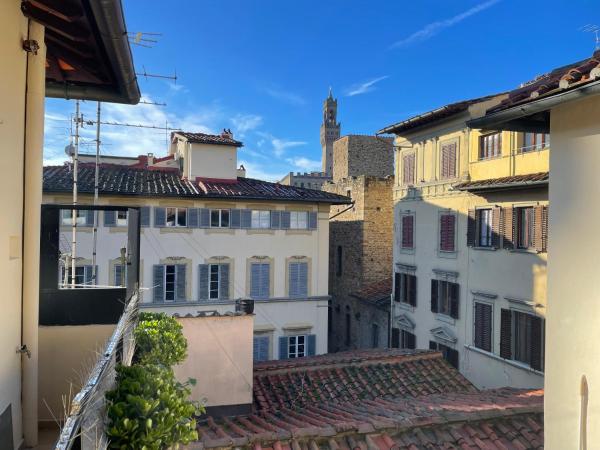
(330, 131)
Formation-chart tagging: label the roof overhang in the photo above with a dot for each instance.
(503, 186)
(88, 56)
(534, 115)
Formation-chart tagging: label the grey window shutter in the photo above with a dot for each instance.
(235, 219)
(158, 275)
(193, 219)
(87, 275)
(506, 333)
(110, 218)
(264, 281)
(160, 217)
(261, 348)
(275, 219)
(454, 299)
(145, 216)
(285, 220)
(181, 282)
(224, 281)
(203, 281)
(293, 280)
(283, 347)
(537, 362)
(412, 290)
(246, 221)
(434, 296)
(312, 220)
(303, 279)
(254, 280)
(204, 218)
(118, 274)
(397, 286)
(311, 348)
(89, 217)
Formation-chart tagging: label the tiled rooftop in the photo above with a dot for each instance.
(203, 138)
(520, 181)
(507, 419)
(377, 293)
(353, 376)
(558, 80)
(166, 182)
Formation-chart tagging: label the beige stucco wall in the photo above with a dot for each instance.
(22, 94)
(207, 160)
(67, 355)
(219, 359)
(573, 320)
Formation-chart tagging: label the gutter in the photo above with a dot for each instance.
(495, 120)
(109, 19)
(503, 187)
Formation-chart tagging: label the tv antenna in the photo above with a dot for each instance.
(144, 102)
(143, 39)
(593, 28)
(147, 75)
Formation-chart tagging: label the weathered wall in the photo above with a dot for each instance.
(572, 331)
(355, 155)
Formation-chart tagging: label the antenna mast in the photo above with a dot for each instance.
(96, 182)
(74, 212)
(593, 28)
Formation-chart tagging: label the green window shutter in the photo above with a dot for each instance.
(158, 275)
(180, 271)
(303, 279)
(293, 279)
(224, 281)
(283, 347)
(471, 228)
(160, 217)
(202, 282)
(110, 218)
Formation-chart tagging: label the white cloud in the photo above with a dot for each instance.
(286, 96)
(242, 123)
(280, 145)
(363, 88)
(430, 30)
(260, 172)
(304, 164)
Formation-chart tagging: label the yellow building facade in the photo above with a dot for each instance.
(470, 215)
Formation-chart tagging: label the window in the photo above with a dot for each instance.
(298, 220)
(448, 353)
(408, 169)
(298, 279)
(67, 217)
(261, 348)
(407, 340)
(484, 227)
(297, 346)
(83, 276)
(176, 217)
(260, 283)
(448, 161)
(483, 320)
(447, 232)
(121, 217)
(407, 241)
(490, 145)
(339, 259)
(219, 218)
(444, 298)
(261, 219)
(535, 141)
(525, 221)
(522, 338)
(405, 288)
(169, 282)
(213, 281)
(120, 274)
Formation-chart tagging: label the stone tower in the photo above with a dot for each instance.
(330, 131)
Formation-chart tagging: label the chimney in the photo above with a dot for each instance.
(241, 172)
(226, 133)
(150, 159)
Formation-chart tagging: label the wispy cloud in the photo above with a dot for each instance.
(363, 88)
(286, 96)
(280, 145)
(242, 123)
(305, 164)
(432, 29)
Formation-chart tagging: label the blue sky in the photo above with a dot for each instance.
(263, 68)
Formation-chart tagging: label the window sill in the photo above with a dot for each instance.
(485, 249)
(510, 362)
(444, 318)
(447, 254)
(261, 231)
(489, 158)
(531, 251)
(405, 306)
(219, 231)
(408, 251)
(175, 230)
(298, 231)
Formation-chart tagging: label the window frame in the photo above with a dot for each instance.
(404, 288)
(66, 220)
(119, 221)
(262, 221)
(528, 342)
(174, 283)
(490, 150)
(210, 280)
(489, 225)
(443, 287)
(525, 242)
(295, 222)
(535, 146)
(404, 337)
(294, 343)
(177, 210)
(220, 218)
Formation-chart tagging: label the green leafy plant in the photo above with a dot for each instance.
(149, 409)
(159, 340)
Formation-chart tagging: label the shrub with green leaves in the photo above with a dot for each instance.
(149, 409)
(159, 340)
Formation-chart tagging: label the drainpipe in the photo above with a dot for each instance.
(32, 200)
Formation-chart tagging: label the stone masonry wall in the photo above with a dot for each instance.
(355, 155)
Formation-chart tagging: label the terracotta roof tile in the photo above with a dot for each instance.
(203, 138)
(521, 181)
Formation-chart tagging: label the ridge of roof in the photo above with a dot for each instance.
(205, 138)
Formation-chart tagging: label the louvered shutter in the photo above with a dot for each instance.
(452, 357)
(538, 228)
(204, 217)
(246, 218)
(506, 333)
(311, 347)
(118, 274)
(235, 218)
(411, 340)
(412, 290)
(110, 218)
(312, 220)
(397, 286)
(224, 281)
(203, 282)
(285, 220)
(433, 345)
(160, 217)
(395, 338)
(180, 270)
(158, 276)
(483, 326)
(454, 292)
(496, 221)
(434, 295)
(89, 218)
(407, 231)
(261, 348)
(193, 219)
(87, 275)
(275, 219)
(537, 362)
(508, 228)
(471, 229)
(283, 347)
(265, 281)
(545, 229)
(259, 280)
(452, 160)
(145, 216)
(447, 222)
